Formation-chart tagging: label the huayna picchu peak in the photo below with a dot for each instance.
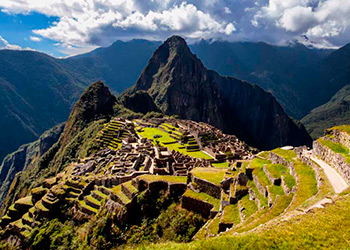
(180, 85)
(184, 159)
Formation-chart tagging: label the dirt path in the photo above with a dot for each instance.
(337, 181)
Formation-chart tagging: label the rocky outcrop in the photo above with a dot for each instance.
(179, 84)
(139, 102)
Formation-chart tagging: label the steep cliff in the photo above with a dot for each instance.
(24, 156)
(179, 84)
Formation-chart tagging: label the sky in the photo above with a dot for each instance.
(68, 27)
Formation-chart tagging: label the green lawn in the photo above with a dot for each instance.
(260, 174)
(213, 227)
(278, 170)
(307, 184)
(221, 165)
(149, 133)
(203, 197)
(231, 215)
(214, 175)
(249, 206)
(263, 199)
(167, 178)
(286, 154)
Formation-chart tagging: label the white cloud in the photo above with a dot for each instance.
(35, 39)
(4, 44)
(84, 24)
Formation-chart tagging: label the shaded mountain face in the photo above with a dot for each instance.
(333, 113)
(25, 156)
(36, 93)
(286, 72)
(180, 84)
(334, 74)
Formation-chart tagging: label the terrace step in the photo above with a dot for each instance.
(129, 190)
(92, 202)
(85, 208)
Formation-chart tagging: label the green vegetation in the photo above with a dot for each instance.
(249, 206)
(149, 133)
(204, 197)
(263, 179)
(337, 148)
(274, 191)
(263, 199)
(213, 175)
(343, 128)
(213, 227)
(278, 170)
(231, 215)
(264, 154)
(224, 164)
(167, 178)
(307, 184)
(286, 154)
(258, 162)
(322, 229)
(117, 190)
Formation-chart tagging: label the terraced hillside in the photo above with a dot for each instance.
(184, 181)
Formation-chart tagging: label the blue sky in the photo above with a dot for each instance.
(68, 27)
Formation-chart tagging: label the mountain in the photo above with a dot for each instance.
(94, 107)
(288, 72)
(180, 85)
(36, 93)
(24, 157)
(334, 74)
(333, 113)
(118, 65)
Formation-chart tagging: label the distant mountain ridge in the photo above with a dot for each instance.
(24, 74)
(180, 85)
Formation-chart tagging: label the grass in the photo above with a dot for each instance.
(149, 133)
(307, 184)
(213, 175)
(167, 178)
(326, 228)
(264, 154)
(263, 199)
(213, 227)
(130, 187)
(265, 215)
(117, 190)
(278, 170)
(337, 148)
(325, 188)
(260, 174)
(286, 154)
(204, 197)
(41, 207)
(83, 204)
(221, 165)
(258, 162)
(231, 215)
(343, 128)
(25, 201)
(274, 191)
(249, 206)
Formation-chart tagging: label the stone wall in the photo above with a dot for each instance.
(334, 159)
(208, 187)
(198, 206)
(260, 187)
(276, 159)
(274, 181)
(341, 137)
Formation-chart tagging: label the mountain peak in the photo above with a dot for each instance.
(96, 101)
